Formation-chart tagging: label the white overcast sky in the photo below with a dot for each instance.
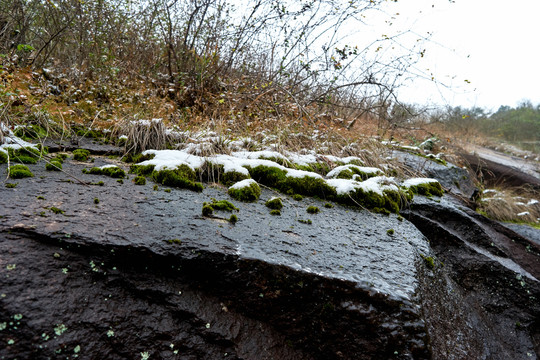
(494, 44)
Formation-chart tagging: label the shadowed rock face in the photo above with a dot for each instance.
(143, 272)
(487, 289)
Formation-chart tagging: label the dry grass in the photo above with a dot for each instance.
(511, 204)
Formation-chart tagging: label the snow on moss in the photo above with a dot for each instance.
(418, 181)
(354, 170)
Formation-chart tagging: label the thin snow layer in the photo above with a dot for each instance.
(343, 186)
(418, 181)
(108, 166)
(366, 170)
(345, 160)
(377, 184)
(243, 184)
(264, 154)
(11, 141)
(171, 159)
(525, 213)
(303, 159)
(532, 202)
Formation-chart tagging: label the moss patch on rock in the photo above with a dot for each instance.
(426, 188)
(81, 154)
(19, 171)
(53, 165)
(181, 177)
(111, 171)
(278, 179)
(139, 180)
(221, 205)
(274, 203)
(246, 190)
(313, 209)
(143, 170)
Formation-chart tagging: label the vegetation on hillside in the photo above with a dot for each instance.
(519, 125)
(200, 61)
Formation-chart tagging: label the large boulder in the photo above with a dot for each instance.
(141, 273)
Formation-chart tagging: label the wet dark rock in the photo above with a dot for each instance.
(486, 286)
(96, 147)
(453, 178)
(141, 271)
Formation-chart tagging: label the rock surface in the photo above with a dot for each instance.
(142, 272)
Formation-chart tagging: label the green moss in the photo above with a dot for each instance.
(40, 197)
(390, 232)
(81, 154)
(232, 177)
(319, 168)
(275, 212)
(156, 188)
(167, 190)
(233, 219)
(144, 170)
(88, 133)
(297, 197)
(54, 165)
(308, 221)
(11, 185)
(313, 209)
(181, 177)
(3, 157)
(345, 174)
(25, 159)
(328, 205)
(140, 180)
(96, 201)
(56, 210)
(174, 241)
(249, 193)
(30, 132)
(207, 210)
(428, 189)
(223, 205)
(400, 218)
(136, 158)
(429, 261)
(120, 181)
(389, 201)
(274, 203)
(111, 171)
(19, 171)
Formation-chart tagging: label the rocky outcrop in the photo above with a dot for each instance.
(140, 273)
(485, 288)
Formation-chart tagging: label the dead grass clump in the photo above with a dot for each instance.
(511, 204)
(146, 134)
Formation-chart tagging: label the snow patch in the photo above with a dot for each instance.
(418, 181)
(243, 184)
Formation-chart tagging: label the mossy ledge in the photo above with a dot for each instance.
(426, 187)
(181, 177)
